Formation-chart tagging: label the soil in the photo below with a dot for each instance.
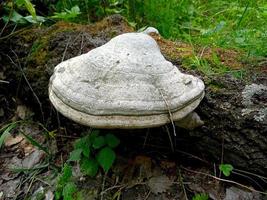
(229, 135)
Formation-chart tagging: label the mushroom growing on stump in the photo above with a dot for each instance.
(126, 83)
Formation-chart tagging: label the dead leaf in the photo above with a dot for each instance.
(159, 184)
(10, 140)
(33, 159)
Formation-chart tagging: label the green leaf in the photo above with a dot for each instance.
(89, 166)
(226, 169)
(15, 17)
(38, 19)
(75, 155)
(68, 191)
(6, 132)
(66, 174)
(106, 158)
(84, 144)
(30, 8)
(200, 197)
(112, 140)
(68, 14)
(93, 134)
(28, 5)
(99, 142)
(20, 3)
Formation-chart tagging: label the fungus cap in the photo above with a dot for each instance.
(126, 83)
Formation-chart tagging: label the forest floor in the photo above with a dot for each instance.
(150, 164)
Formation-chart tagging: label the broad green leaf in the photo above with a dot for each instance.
(75, 155)
(86, 152)
(200, 197)
(106, 158)
(20, 2)
(79, 143)
(226, 169)
(99, 142)
(84, 144)
(30, 8)
(6, 132)
(15, 17)
(30, 19)
(67, 14)
(89, 166)
(94, 134)
(68, 191)
(66, 174)
(112, 140)
(75, 9)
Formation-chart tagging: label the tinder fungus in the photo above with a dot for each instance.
(126, 83)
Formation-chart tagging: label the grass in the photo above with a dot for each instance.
(240, 24)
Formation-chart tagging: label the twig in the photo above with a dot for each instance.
(147, 133)
(193, 156)
(259, 176)
(170, 138)
(249, 178)
(8, 20)
(103, 186)
(28, 83)
(2, 81)
(170, 114)
(81, 47)
(148, 194)
(222, 154)
(182, 184)
(113, 187)
(65, 50)
(202, 51)
(225, 180)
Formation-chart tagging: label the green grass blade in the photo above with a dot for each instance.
(35, 143)
(6, 132)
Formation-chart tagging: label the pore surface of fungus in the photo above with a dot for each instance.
(126, 83)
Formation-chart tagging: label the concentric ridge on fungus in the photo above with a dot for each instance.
(126, 83)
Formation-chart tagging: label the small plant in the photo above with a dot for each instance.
(200, 197)
(12, 9)
(65, 186)
(95, 150)
(226, 169)
(91, 151)
(68, 15)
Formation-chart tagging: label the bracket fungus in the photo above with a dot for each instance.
(126, 83)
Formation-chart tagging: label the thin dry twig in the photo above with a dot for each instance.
(222, 154)
(81, 47)
(170, 114)
(182, 184)
(103, 186)
(193, 156)
(148, 194)
(65, 50)
(249, 178)
(225, 180)
(2, 81)
(147, 133)
(28, 83)
(170, 138)
(253, 174)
